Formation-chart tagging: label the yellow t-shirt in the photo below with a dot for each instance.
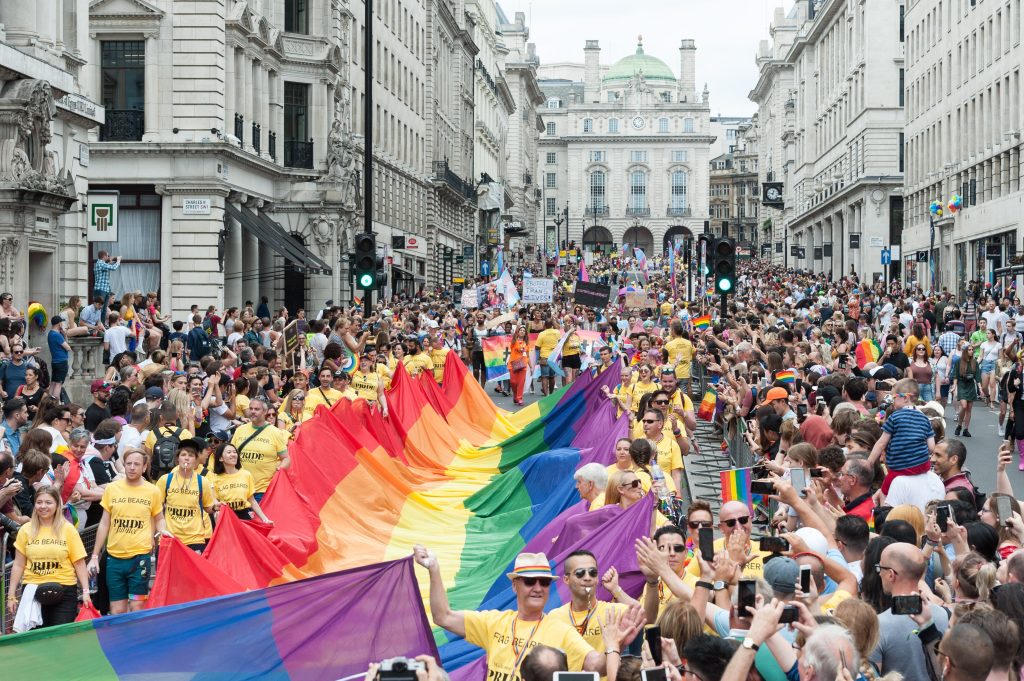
(492, 630)
(572, 346)
(640, 388)
(166, 431)
(132, 509)
(366, 385)
(49, 558)
(669, 456)
(262, 454)
(644, 476)
(241, 406)
(753, 569)
(414, 364)
(680, 353)
(666, 309)
(592, 631)
(437, 358)
(180, 501)
(546, 342)
(234, 489)
(317, 396)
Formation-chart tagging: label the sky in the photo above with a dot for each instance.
(727, 33)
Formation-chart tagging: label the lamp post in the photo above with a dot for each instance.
(559, 220)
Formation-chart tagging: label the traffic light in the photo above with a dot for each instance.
(366, 261)
(723, 265)
(382, 274)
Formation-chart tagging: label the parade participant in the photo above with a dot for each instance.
(571, 361)
(508, 635)
(291, 413)
(234, 485)
(342, 382)
(322, 394)
(262, 447)
(49, 559)
(546, 342)
(585, 612)
(368, 384)
(416, 359)
(734, 522)
(680, 353)
(591, 480)
(132, 514)
(519, 364)
(186, 498)
(438, 355)
(669, 456)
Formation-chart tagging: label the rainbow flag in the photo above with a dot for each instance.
(701, 323)
(706, 410)
(868, 350)
(787, 376)
(736, 486)
(446, 469)
(496, 355)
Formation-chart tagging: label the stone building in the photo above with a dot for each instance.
(624, 157)
(963, 136)
(733, 195)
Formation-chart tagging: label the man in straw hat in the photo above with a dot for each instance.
(507, 636)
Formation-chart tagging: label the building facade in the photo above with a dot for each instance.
(733, 195)
(830, 98)
(963, 136)
(624, 156)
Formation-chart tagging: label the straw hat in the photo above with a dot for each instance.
(531, 565)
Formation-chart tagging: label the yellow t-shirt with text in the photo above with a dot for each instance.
(492, 631)
(670, 457)
(182, 513)
(262, 454)
(754, 569)
(366, 385)
(437, 358)
(234, 489)
(592, 631)
(49, 558)
(414, 364)
(132, 509)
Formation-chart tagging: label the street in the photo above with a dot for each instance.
(982, 447)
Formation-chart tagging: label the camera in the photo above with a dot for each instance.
(399, 669)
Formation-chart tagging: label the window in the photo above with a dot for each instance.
(70, 8)
(550, 128)
(138, 240)
(679, 190)
(296, 16)
(901, 152)
(688, 125)
(662, 125)
(551, 158)
(613, 125)
(597, 157)
(554, 103)
(298, 147)
(638, 157)
(612, 96)
(123, 71)
(902, 33)
(679, 155)
(730, 134)
(638, 191)
(549, 206)
(551, 180)
(588, 125)
(901, 86)
(597, 192)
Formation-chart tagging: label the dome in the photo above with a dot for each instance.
(654, 69)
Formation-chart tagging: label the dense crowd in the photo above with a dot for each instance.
(878, 556)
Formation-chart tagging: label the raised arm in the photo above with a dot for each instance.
(440, 610)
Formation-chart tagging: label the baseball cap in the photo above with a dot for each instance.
(341, 373)
(775, 394)
(154, 393)
(782, 573)
(196, 443)
(98, 385)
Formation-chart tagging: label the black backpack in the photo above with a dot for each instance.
(164, 450)
(199, 343)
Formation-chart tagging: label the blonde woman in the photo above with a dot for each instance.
(188, 411)
(48, 551)
(290, 415)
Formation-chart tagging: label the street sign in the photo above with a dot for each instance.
(467, 251)
(886, 256)
(485, 268)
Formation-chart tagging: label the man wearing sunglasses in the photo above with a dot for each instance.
(508, 635)
(585, 612)
(733, 517)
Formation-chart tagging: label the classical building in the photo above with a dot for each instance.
(624, 157)
(963, 136)
(44, 151)
(733, 195)
(830, 119)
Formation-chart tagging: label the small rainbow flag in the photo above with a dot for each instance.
(868, 350)
(736, 486)
(36, 313)
(706, 410)
(787, 376)
(701, 323)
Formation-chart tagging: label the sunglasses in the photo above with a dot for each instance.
(533, 581)
(659, 401)
(731, 522)
(632, 484)
(697, 524)
(580, 572)
(649, 421)
(674, 548)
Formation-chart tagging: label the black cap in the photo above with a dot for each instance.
(196, 443)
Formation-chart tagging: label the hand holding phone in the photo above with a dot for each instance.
(652, 634)
(706, 543)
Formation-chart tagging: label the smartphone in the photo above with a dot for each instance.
(736, 374)
(706, 543)
(801, 410)
(942, 517)
(762, 487)
(1004, 511)
(773, 544)
(798, 476)
(816, 472)
(652, 634)
(790, 614)
(805, 578)
(747, 593)
(576, 676)
(906, 605)
(653, 674)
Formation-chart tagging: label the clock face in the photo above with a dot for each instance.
(773, 193)
(638, 122)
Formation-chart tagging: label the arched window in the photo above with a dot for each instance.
(688, 125)
(638, 191)
(597, 192)
(662, 125)
(588, 125)
(679, 179)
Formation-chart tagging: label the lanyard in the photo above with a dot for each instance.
(520, 653)
(582, 626)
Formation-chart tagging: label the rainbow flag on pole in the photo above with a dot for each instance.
(787, 376)
(736, 486)
(701, 323)
(868, 350)
(706, 410)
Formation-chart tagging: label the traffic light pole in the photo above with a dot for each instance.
(368, 137)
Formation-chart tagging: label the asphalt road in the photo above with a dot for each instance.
(982, 447)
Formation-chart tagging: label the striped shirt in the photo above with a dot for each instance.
(101, 275)
(909, 431)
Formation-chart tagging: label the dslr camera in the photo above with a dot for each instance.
(399, 669)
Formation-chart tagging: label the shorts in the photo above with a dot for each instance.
(545, 369)
(58, 372)
(988, 366)
(944, 390)
(570, 361)
(128, 578)
(478, 361)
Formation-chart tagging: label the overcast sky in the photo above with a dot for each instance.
(727, 33)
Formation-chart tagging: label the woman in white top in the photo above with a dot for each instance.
(989, 354)
(940, 370)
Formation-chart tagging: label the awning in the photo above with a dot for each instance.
(273, 235)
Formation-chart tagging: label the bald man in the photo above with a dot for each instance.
(899, 648)
(733, 517)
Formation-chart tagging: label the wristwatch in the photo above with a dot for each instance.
(718, 585)
(749, 644)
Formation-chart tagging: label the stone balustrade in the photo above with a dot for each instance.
(86, 365)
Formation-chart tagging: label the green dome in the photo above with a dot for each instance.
(654, 69)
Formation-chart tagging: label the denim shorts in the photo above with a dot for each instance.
(988, 366)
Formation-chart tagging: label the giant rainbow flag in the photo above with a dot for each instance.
(447, 469)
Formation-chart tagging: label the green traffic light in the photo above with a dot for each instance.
(365, 281)
(724, 285)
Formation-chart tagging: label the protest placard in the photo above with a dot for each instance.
(537, 290)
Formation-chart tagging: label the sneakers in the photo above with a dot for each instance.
(966, 433)
(958, 430)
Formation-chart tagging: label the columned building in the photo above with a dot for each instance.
(963, 136)
(624, 157)
(832, 89)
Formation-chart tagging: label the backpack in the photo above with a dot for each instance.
(44, 373)
(199, 343)
(164, 450)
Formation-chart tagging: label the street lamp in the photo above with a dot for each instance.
(561, 219)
